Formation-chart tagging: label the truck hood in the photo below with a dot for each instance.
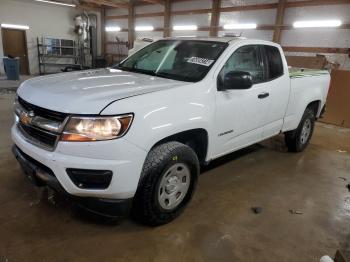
(88, 92)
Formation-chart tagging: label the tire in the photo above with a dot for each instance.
(298, 139)
(167, 183)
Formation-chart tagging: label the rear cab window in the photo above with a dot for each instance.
(273, 62)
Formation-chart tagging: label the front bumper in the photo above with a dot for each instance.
(41, 175)
(121, 157)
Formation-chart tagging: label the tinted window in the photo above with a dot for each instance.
(247, 59)
(186, 60)
(274, 62)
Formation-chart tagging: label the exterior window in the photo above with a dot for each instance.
(247, 59)
(184, 60)
(274, 62)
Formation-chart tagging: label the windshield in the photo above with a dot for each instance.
(185, 60)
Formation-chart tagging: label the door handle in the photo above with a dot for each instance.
(263, 95)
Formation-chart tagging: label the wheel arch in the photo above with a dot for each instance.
(197, 139)
(315, 106)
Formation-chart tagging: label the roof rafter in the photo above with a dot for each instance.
(162, 2)
(107, 3)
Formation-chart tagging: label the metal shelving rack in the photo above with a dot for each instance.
(51, 60)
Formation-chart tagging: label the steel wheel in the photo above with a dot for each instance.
(174, 186)
(305, 132)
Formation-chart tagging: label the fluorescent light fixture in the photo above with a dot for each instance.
(24, 27)
(317, 23)
(144, 28)
(240, 26)
(185, 27)
(112, 28)
(55, 3)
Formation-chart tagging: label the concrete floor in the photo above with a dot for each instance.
(218, 225)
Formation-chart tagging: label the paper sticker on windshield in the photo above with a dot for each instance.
(200, 61)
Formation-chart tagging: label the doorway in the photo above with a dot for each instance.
(14, 43)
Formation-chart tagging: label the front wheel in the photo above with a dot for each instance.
(298, 139)
(168, 180)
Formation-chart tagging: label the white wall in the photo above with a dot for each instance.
(294, 37)
(319, 37)
(44, 20)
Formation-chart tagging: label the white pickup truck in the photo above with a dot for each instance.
(132, 137)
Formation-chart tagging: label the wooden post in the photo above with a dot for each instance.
(167, 18)
(103, 31)
(279, 21)
(215, 17)
(131, 24)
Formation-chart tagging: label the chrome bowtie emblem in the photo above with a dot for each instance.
(31, 113)
(26, 117)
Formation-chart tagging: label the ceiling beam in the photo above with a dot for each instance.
(327, 50)
(107, 3)
(316, 3)
(248, 7)
(89, 7)
(161, 2)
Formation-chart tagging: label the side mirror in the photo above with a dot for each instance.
(236, 80)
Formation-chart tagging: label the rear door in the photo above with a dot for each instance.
(241, 113)
(278, 87)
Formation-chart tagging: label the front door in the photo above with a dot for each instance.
(241, 113)
(15, 44)
(279, 89)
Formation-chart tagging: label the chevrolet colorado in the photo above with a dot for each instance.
(132, 137)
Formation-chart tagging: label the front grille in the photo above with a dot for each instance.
(36, 135)
(43, 137)
(39, 111)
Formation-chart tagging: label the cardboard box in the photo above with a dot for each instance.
(338, 101)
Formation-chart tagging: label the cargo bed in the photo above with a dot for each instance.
(296, 72)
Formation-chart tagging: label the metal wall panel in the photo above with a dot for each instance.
(188, 5)
(149, 9)
(201, 20)
(260, 17)
(253, 34)
(156, 22)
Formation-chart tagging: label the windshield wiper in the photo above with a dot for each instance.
(158, 74)
(174, 77)
(137, 70)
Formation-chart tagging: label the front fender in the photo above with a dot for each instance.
(165, 113)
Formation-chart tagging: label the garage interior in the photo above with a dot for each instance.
(261, 203)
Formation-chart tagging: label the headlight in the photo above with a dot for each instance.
(80, 129)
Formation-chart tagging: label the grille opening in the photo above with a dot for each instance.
(41, 136)
(35, 135)
(46, 113)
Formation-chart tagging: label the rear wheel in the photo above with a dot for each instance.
(298, 139)
(167, 183)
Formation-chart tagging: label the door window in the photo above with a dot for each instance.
(248, 59)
